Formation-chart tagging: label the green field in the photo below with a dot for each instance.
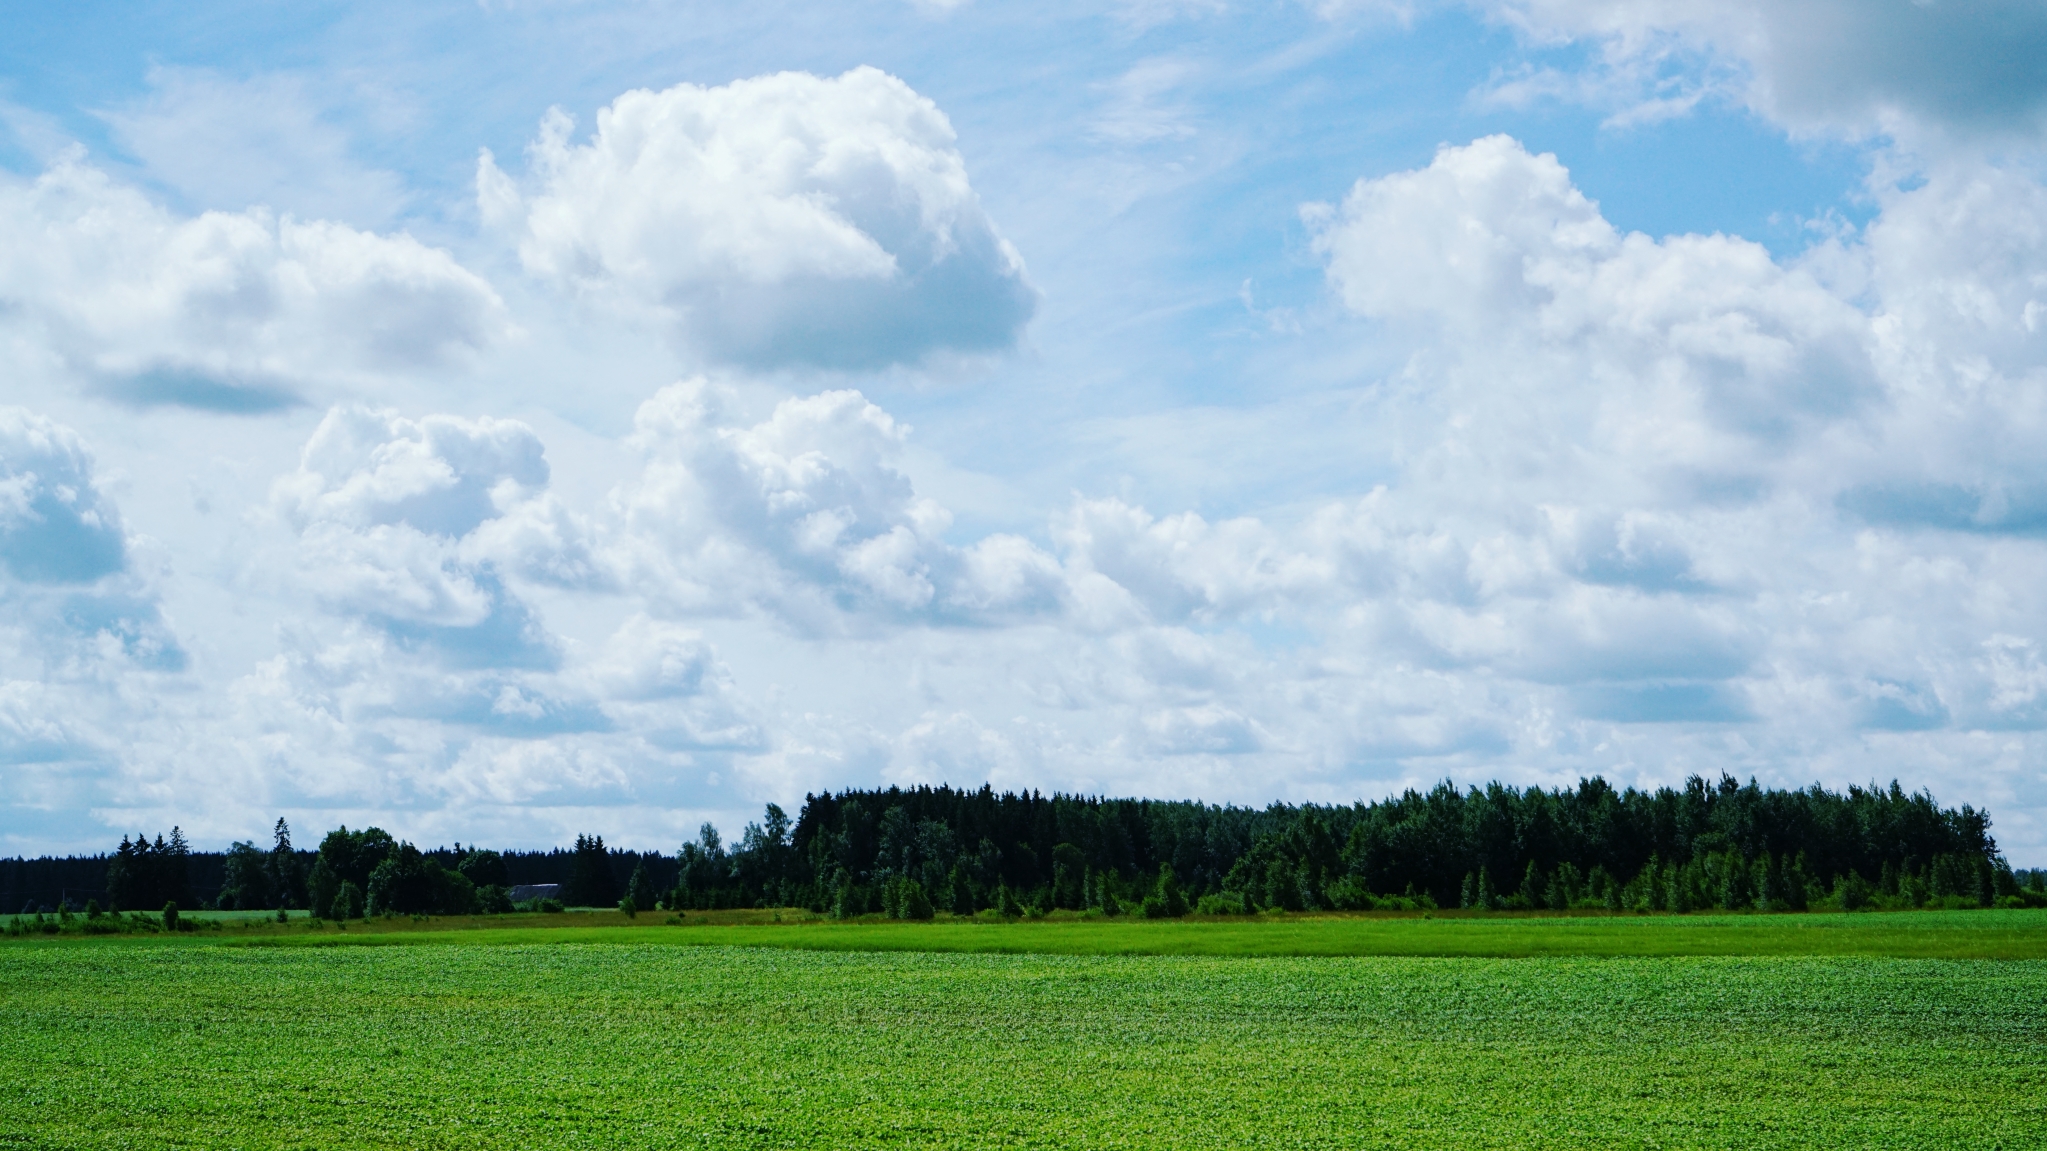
(2004, 934)
(616, 1036)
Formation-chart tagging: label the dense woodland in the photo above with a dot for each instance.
(916, 853)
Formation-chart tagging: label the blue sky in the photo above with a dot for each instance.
(503, 421)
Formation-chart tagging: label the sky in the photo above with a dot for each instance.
(498, 422)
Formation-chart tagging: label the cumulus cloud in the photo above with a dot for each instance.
(354, 720)
(1490, 241)
(431, 680)
(807, 513)
(54, 525)
(1678, 485)
(67, 587)
(86, 655)
(232, 311)
(786, 220)
(419, 525)
(1920, 70)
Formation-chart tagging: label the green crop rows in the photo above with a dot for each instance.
(472, 1044)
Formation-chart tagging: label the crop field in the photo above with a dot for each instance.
(617, 1039)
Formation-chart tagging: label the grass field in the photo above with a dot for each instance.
(612, 1036)
(1917, 934)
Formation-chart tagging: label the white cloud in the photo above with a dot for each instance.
(423, 522)
(234, 311)
(54, 525)
(90, 669)
(787, 220)
(806, 513)
(1494, 244)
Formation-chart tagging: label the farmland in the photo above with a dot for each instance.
(603, 1034)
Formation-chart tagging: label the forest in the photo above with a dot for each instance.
(915, 853)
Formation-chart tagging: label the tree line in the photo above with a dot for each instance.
(1704, 845)
(914, 853)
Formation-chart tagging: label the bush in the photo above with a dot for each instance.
(1153, 907)
(1347, 894)
(348, 903)
(493, 899)
(1172, 900)
(913, 903)
(631, 909)
(1852, 892)
(1111, 906)
(170, 916)
(1226, 903)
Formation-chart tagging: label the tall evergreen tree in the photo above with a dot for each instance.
(173, 875)
(287, 884)
(590, 880)
(124, 884)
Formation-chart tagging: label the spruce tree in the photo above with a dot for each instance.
(590, 880)
(287, 886)
(174, 878)
(122, 882)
